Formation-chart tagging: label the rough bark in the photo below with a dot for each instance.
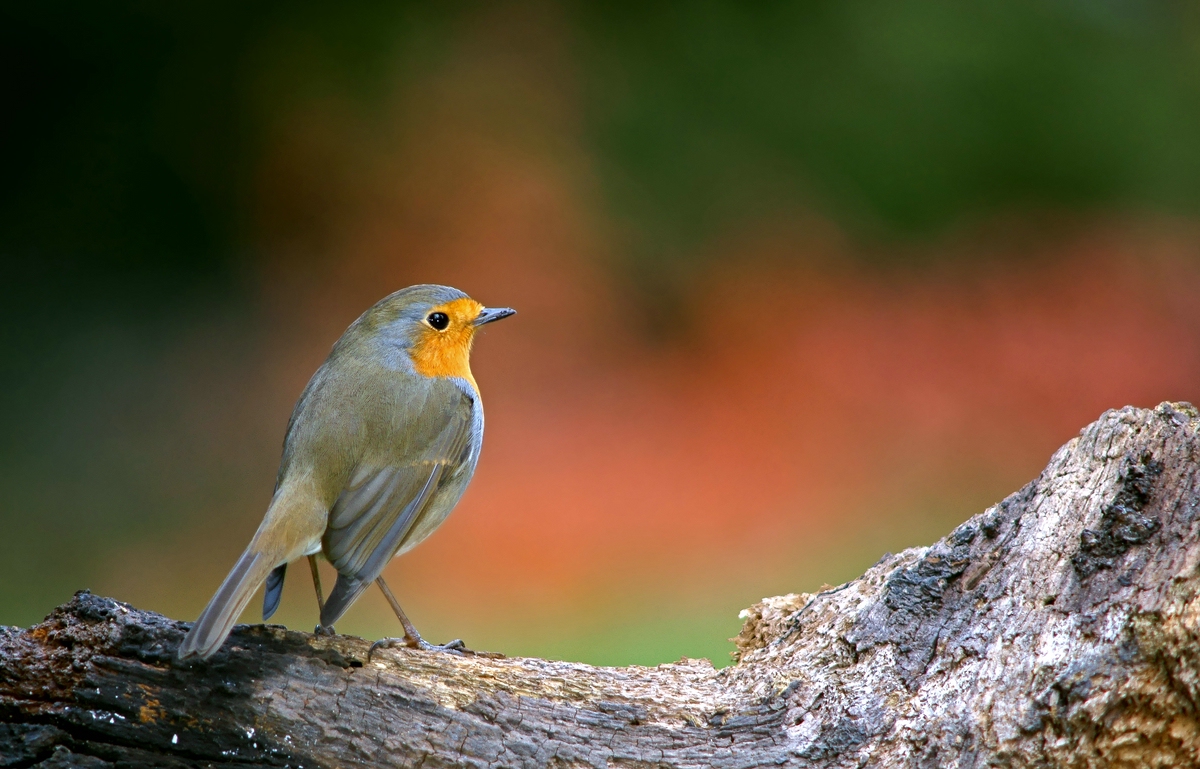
(1057, 628)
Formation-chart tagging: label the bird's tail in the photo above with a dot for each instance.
(215, 622)
(292, 525)
(345, 592)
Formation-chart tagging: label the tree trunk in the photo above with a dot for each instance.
(1057, 628)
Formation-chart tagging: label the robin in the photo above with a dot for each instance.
(379, 449)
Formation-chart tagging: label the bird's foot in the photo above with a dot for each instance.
(325, 630)
(454, 647)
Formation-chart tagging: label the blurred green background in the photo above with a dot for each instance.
(799, 283)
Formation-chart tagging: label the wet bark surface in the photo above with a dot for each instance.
(1060, 627)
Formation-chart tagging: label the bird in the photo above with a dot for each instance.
(379, 449)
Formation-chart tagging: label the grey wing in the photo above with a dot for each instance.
(381, 506)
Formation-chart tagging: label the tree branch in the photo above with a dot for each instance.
(1057, 628)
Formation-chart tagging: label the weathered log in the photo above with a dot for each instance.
(1057, 628)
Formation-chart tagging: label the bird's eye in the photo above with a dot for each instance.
(439, 320)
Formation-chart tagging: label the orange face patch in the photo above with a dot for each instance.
(447, 353)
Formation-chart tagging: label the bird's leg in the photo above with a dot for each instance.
(412, 639)
(316, 575)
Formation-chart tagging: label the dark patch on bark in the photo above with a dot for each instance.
(1122, 523)
(844, 735)
(763, 718)
(23, 744)
(130, 703)
(64, 758)
(930, 601)
(912, 597)
(918, 589)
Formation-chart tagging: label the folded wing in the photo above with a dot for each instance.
(383, 505)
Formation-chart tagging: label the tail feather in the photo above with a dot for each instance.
(273, 591)
(212, 627)
(344, 593)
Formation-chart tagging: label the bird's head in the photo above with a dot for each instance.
(434, 325)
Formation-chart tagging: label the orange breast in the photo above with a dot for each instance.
(448, 353)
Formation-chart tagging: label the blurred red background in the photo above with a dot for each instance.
(660, 453)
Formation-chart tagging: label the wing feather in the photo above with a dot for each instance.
(373, 489)
(383, 504)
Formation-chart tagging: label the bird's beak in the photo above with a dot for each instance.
(489, 314)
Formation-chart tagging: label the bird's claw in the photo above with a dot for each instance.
(454, 647)
(324, 630)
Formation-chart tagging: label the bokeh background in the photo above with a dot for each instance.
(799, 284)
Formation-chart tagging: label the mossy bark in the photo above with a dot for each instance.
(1060, 627)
